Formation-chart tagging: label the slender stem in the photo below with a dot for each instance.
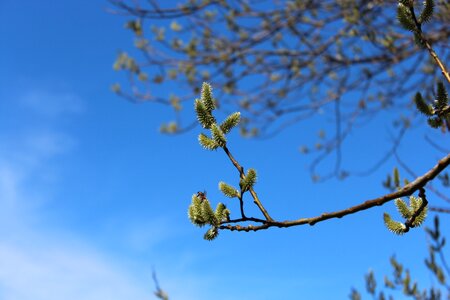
(440, 209)
(252, 192)
(244, 220)
(428, 46)
(407, 190)
(241, 205)
(438, 61)
(161, 294)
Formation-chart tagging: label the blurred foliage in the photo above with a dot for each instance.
(283, 62)
(401, 282)
(279, 62)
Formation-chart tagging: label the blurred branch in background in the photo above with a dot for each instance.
(282, 62)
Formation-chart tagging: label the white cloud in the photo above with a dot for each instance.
(39, 259)
(48, 144)
(36, 261)
(63, 271)
(23, 162)
(38, 264)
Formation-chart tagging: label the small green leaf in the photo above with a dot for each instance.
(175, 102)
(248, 181)
(218, 136)
(116, 88)
(175, 26)
(207, 98)
(195, 213)
(394, 226)
(418, 221)
(387, 183)
(396, 178)
(388, 283)
(415, 204)
(407, 3)
(135, 26)
(142, 76)
(422, 106)
(442, 96)
(405, 18)
(228, 190)
(206, 142)
(211, 234)
(208, 213)
(403, 208)
(355, 295)
(230, 122)
(371, 283)
(427, 11)
(171, 127)
(222, 213)
(204, 116)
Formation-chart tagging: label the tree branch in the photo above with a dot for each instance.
(440, 209)
(428, 46)
(252, 191)
(407, 190)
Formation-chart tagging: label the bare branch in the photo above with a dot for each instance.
(407, 190)
(252, 192)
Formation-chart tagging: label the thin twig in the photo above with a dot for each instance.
(428, 46)
(440, 209)
(429, 187)
(252, 192)
(407, 190)
(160, 293)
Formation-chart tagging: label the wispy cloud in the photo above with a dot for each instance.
(40, 263)
(42, 260)
(24, 163)
(62, 271)
(52, 104)
(36, 261)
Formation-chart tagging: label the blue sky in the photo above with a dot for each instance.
(93, 197)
